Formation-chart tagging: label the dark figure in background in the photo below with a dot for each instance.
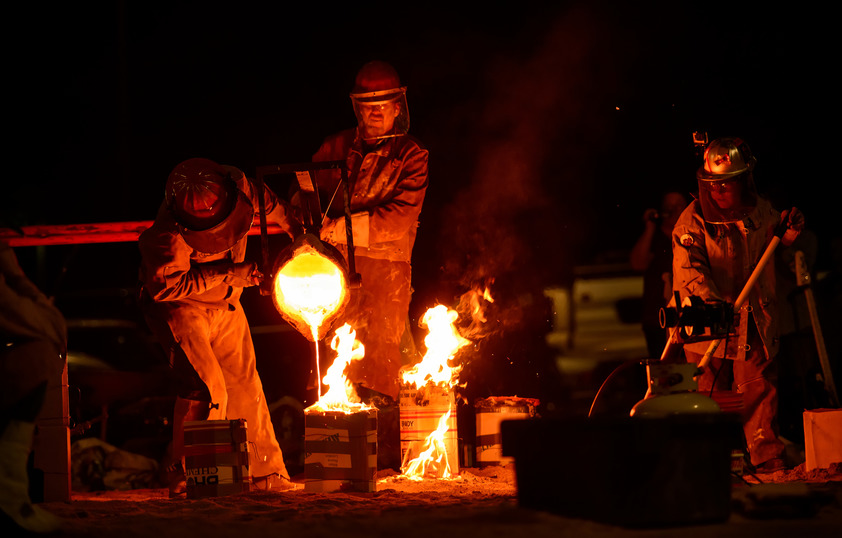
(652, 254)
(193, 272)
(387, 174)
(33, 342)
(717, 242)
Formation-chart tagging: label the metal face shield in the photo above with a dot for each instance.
(728, 200)
(381, 114)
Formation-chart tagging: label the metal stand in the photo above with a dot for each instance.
(313, 214)
(802, 278)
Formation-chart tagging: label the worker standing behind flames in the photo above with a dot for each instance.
(717, 242)
(387, 174)
(193, 273)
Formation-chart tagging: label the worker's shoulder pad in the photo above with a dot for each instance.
(685, 236)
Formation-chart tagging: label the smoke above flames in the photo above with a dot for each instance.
(515, 219)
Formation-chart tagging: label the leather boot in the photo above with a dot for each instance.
(15, 503)
(185, 410)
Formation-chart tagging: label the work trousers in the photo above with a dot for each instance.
(218, 346)
(378, 312)
(756, 379)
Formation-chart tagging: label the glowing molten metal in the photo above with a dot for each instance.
(310, 287)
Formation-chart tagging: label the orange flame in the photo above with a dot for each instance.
(477, 307)
(341, 395)
(432, 462)
(472, 307)
(443, 342)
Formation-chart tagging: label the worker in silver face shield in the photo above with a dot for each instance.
(717, 242)
(387, 174)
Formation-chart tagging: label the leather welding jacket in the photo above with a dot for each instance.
(714, 261)
(388, 183)
(173, 271)
(193, 307)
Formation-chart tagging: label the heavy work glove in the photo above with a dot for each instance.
(794, 220)
(333, 230)
(243, 275)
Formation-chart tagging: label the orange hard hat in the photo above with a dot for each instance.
(376, 81)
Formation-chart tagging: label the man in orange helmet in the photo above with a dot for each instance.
(387, 173)
(193, 271)
(717, 242)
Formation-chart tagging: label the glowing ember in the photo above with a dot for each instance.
(443, 342)
(341, 395)
(433, 461)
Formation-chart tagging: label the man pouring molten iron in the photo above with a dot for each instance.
(193, 272)
(387, 175)
(717, 243)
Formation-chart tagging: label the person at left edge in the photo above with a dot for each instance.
(192, 273)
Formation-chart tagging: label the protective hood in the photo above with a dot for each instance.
(227, 233)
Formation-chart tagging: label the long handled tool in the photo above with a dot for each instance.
(752, 279)
(802, 278)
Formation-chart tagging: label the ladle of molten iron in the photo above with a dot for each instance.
(310, 286)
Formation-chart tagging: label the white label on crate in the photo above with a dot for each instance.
(326, 434)
(210, 475)
(334, 461)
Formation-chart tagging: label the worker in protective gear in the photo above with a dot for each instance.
(33, 334)
(193, 271)
(717, 242)
(387, 174)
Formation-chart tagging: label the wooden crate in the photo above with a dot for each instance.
(216, 458)
(822, 438)
(421, 410)
(340, 451)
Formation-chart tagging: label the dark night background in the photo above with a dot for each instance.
(551, 126)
